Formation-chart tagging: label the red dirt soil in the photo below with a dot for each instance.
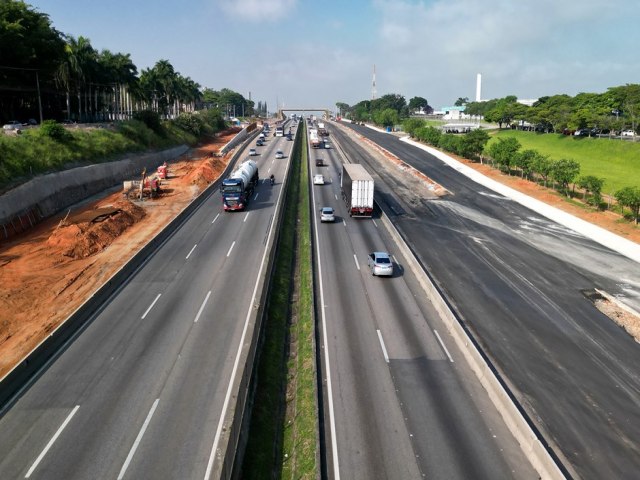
(46, 273)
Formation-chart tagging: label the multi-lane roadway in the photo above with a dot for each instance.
(400, 400)
(517, 281)
(140, 393)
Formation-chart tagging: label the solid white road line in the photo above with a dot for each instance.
(444, 347)
(245, 217)
(202, 306)
(138, 439)
(191, 251)
(355, 259)
(53, 439)
(374, 222)
(150, 306)
(231, 248)
(384, 349)
(215, 218)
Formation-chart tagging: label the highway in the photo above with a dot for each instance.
(400, 401)
(517, 281)
(141, 391)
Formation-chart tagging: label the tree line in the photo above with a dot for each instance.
(47, 74)
(562, 174)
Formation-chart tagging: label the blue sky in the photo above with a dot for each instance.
(312, 54)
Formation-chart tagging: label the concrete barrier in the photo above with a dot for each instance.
(49, 194)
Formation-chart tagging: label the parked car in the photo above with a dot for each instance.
(318, 179)
(253, 151)
(327, 215)
(380, 264)
(627, 133)
(30, 122)
(583, 132)
(12, 125)
(279, 154)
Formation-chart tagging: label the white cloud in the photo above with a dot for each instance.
(435, 48)
(257, 10)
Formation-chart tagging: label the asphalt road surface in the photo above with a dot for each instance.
(140, 392)
(517, 280)
(400, 400)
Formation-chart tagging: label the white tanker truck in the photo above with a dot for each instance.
(238, 187)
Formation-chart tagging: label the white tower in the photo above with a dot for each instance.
(479, 88)
(373, 83)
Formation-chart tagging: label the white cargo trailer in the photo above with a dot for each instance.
(357, 190)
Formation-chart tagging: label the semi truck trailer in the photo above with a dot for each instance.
(357, 190)
(238, 187)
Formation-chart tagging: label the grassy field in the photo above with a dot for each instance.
(617, 161)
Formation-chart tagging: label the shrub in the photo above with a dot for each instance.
(191, 123)
(151, 120)
(55, 131)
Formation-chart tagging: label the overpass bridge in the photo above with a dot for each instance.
(326, 112)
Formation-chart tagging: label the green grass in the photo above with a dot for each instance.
(617, 161)
(33, 152)
(284, 419)
(300, 434)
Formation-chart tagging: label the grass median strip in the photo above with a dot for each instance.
(283, 433)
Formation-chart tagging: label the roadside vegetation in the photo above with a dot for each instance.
(284, 424)
(552, 162)
(53, 146)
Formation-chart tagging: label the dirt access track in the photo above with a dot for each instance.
(49, 271)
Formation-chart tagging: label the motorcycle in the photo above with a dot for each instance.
(272, 180)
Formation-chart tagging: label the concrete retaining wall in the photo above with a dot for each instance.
(47, 195)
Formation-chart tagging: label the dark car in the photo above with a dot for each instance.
(259, 142)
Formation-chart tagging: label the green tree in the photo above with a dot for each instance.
(411, 125)
(542, 165)
(504, 151)
(525, 161)
(461, 101)
(418, 103)
(592, 184)
(564, 171)
(343, 108)
(387, 117)
(629, 197)
(472, 144)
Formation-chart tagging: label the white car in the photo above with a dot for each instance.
(327, 215)
(628, 133)
(279, 154)
(12, 125)
(253, 151)
(318, 179)
(380, 264)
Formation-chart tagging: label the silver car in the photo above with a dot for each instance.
(380, 264)
(327, 215)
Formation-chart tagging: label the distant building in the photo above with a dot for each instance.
(452, 113)
(527, 101)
